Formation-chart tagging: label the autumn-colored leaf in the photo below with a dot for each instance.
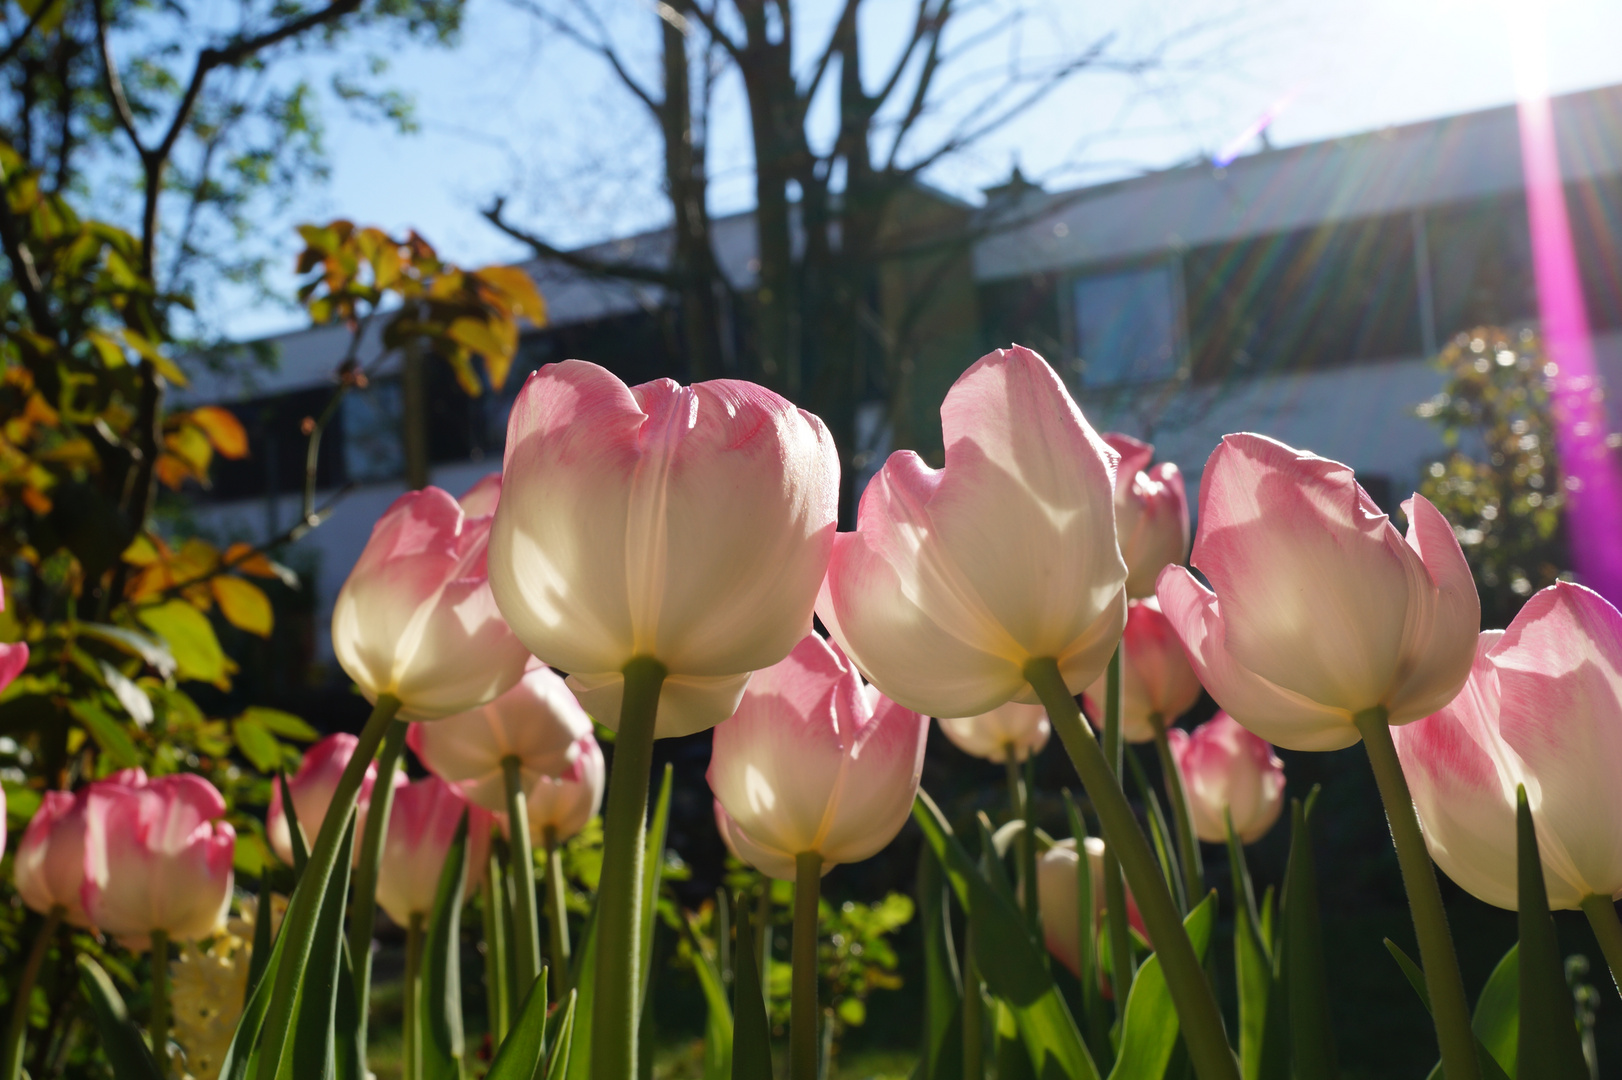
(518, 289)
(223, 429)
(244, 605)
(191, 639)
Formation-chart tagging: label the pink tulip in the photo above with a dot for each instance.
(1157, 683)
(421, 829)
(955, 578)
(49, 868)
(312, 787)
(1151, 514)
(814, 762)
(480, 500)
(1058, 896)
(687, 524)
(13, 658)
(1011, 728)
(1321, 611)
(564, 803)
(157, 858)
(1543, 707)
(1228, 771)
(538, 722)
(416, 620)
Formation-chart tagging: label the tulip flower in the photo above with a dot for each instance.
(421, 829)
(1228, 773)
(1157, 683)
(312, 787)
(560, 806)
(415, 621)
(1151, 514)
(49, 868)
(157, 859)
(13, 658)
(1012, 731)
(1326, 626)
(1543, 708)
(1058, 887)
(813, 770)
(659, 543)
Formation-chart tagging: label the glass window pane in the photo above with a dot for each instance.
(1126, 326)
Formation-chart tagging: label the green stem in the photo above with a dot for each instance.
(1188, 843)
(1449, 1007)
(1019, 809)
(803, 1010)
(1191, 995)
(11, 1065)
(974, 1020)
(496, 947)
(158, 1019)
(299, 924)
(557, 913)
(1122, 966)
(763, 933)
(363, 901)
(526, 923)
(411, 1029)
(618, 1005)
(1601, 912)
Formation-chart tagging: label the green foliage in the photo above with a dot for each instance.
(1500, 484)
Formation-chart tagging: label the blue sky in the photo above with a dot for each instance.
(516, 110)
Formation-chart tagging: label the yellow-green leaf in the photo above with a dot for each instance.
(111, 353)
(110, 735)
(281, 723)
(223, 429)
(244, 605)
(191, 640)
(257, 745)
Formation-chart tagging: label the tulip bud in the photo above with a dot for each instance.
(811, 762)
(422, 826)
(1542, 707)
(13, 658)
(1058, 895)
(157, 858)
(1011, 728)
(690, 524)
(564, 803)
(1157, 683)
(1228, 771)
(312, 787)
(49, 868)
(538, 722)
(416, 619)
(1321, 610)
(955, 578)
(1151, 514)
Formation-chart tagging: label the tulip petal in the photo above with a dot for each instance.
(1444, 612)
(1280, 716)
(13, 659)
(769, 861)
(687, 703)
(1560, 669)
(874, 797)
(49, 865)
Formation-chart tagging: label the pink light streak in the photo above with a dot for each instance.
(1593, 488)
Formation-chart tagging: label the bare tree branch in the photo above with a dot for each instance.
(831, 49)
(712, 27)
(115, 85)
(586, 264)
(598, 44)
(14, 46)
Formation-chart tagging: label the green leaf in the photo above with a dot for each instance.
(1253, 964)
(191, 640)
(1548, 1046)
(563, 1046)
(751, 1030)
(1009, 961)
(1312, 1036)
(1097, 1015)
(521, 1052)
(109, 734)
(281, 723)
(1149, 1027)
(443, 1048)
(315, 1038)
(257, 745)
(584, 981)
(653, 866)
(1497, 1021)
(943, 984)
(718, 1024)
(1490, 1069)
(295, 832)
(349, 1055)
(240, 1053)
(121, 1040)
(154, 653)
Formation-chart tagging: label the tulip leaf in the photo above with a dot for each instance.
(1149, 1026)
(259, 957)
(1097, 1016)
(563, 1044)
(349, 1056)
(1012, 967)
(942, 1057)
(1497, 1021)
(718, 1025)
(584, 981)
(314, 1037)
(121, 1040)
(653, 867)
(295, 833)
(1160, 833)
(751, 1030)
(442, 995)
(1548, 1044)
(239, 1054)
(1312, 1037)
(1490, 1069)
(522, 1052)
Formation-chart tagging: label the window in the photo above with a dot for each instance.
(1127, 326)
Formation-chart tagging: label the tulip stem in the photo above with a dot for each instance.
(526, 923)
(557, 913)
(803, 1010)
(497, 951)
(299, 924)
(363, 901)
(411, 1025)
(1191, 994)
(1601, 912)
(1449, 1007)
(618, 1007)
(974, 1010)
(1020, 808)
(1188, 844)
(11, 1066)
(158, 1018)
(1122, 968)
(763, 932)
